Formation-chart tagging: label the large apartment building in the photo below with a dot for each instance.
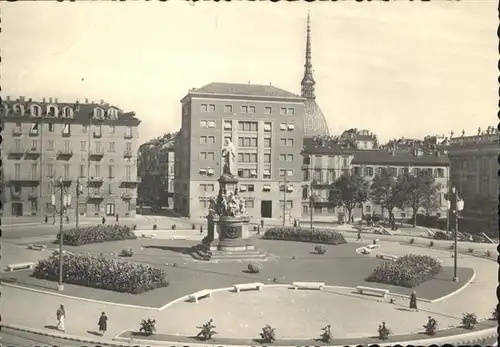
(325, 159)
(92, 143)
(474, 172)
(266, 126)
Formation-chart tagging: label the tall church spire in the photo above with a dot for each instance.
(308, 79)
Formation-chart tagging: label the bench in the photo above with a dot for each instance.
(386, 256)
(20, 266)
(179, 237)
(201, 294)
(247, 286)
(37, 247)
(374, 291)
(148, 236)
(308, 285)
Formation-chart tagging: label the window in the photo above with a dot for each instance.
(290, 127)
(283, 142)
(211, 124)
(211, 139)
(306, 160)
(267, 157)
(128, 131)
(111, 129)
(17, 170)
(98, 147)
(97, 130)
(369, 171)
(287, 172)
(267, 110)
(67, 146)
(305, 174)
(368, 209)
(249, 203)
(283, 127)
(84, 128)
(378, 171)
(67, 129)
(251, 109)
(228, 125)
(207, 187)
(228, 108)
(331, 175)
(267, 142)
(286, 157)
(128, 147)
(357, 170)
(289, 204)
(244, 109)
(266, 188)
(247, 173)
(66, 171)
(203, 108)
(82, 170)
(111, 146)
(98, 170)
(207, 155)
(51, 145)
(318, 175)
(50, 170)
(284, 111)
(439, 173)
(83, 146)
(247, 157)
(267, 174)
(345, 161)
(34, 144)
(51, 127)
(203, 124)
(287, 142)
(247, 126)
(110, 171)
(267, 127)
(203, 140)
(211, 108)
(247, 141)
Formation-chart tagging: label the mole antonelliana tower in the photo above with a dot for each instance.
(314, 121)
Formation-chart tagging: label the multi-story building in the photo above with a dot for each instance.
(362, 138)
(48, 140)
(266, 126)
(474, 172)
(324, 160)
(155, 163)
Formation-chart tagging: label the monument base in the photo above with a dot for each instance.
(247, 252)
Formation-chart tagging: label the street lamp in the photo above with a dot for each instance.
(455, 205)
(64, 204)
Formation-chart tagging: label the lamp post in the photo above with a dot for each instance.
(79, 190)
(64, 204)
(455, 205)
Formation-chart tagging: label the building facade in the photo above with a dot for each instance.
(156, 160)
(94, 144)
(266, 126)
(325, 160)
(474, 173)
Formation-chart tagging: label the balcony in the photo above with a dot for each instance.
(16, 132)
(95, 196)
(32, 194)
(15, 195)
(67, 180)
(127, 154)
(96, 155)
(127, 196)
(128, 181)
(96, 181)
(16, 152)
(97, 134)
(34, 133)
(127, 136)
(65, 154)
(66, 134)
(33, 153)
(29, 180)
(321, 183)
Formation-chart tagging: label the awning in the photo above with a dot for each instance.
(267, 172)
(291, 126)
(267, 187)
(253, 173)
(210, 171)
(202, 171)
(243, 188)
(267, 127)
(283, 126)
(289, 188)
(228, 125)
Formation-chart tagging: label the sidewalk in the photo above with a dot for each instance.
(29, 221)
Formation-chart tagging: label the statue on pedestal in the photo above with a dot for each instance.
(229, 159)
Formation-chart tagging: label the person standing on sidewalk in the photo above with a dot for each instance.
(103, 323)
(61, 316)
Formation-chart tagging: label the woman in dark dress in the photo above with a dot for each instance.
(103, 323)
(413, 301)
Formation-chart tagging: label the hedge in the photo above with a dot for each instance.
(317, 235)
(96, 234)
(104, 273)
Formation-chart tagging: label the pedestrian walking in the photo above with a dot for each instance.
(103, 323)
(46, 219)
(61, 316)
(117, 217)
(103, 220)
(413, 301)
(359, 236)
(262, 223)
(54, 218)
(201, 229)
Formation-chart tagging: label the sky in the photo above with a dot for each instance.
(395, 68)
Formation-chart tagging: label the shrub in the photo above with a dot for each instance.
(127, 252)
(96, 234)
(407, 271)
(469, 320)
(487, 253)
(268, 334)
(207, 331)
(494, 314)
(320, 249)
(148, 327)
(113, 274)
(431, 244)
(431, 326)
(254, 267)
(412, 240)
(383, 331)
(317, 235)
(326, 336)
(471, 250)
(174, 226)
(155, 227)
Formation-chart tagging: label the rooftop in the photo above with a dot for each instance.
(398, 158)
(242, 89)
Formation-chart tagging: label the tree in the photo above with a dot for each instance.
(387, 191)
(348, 191)
(420, 192)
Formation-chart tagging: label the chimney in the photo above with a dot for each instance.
(102, 101)
(21, 98)
(56, 100)
(8, 97)
(30, 99)
(50, 100)
(43, 100)
(86, 100)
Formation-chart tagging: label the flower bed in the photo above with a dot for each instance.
(317, 235)
(98, 272)
(407, 271)
(96, 234)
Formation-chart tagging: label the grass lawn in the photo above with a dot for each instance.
(295, 261)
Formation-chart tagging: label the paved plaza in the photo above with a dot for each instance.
(243, 315)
